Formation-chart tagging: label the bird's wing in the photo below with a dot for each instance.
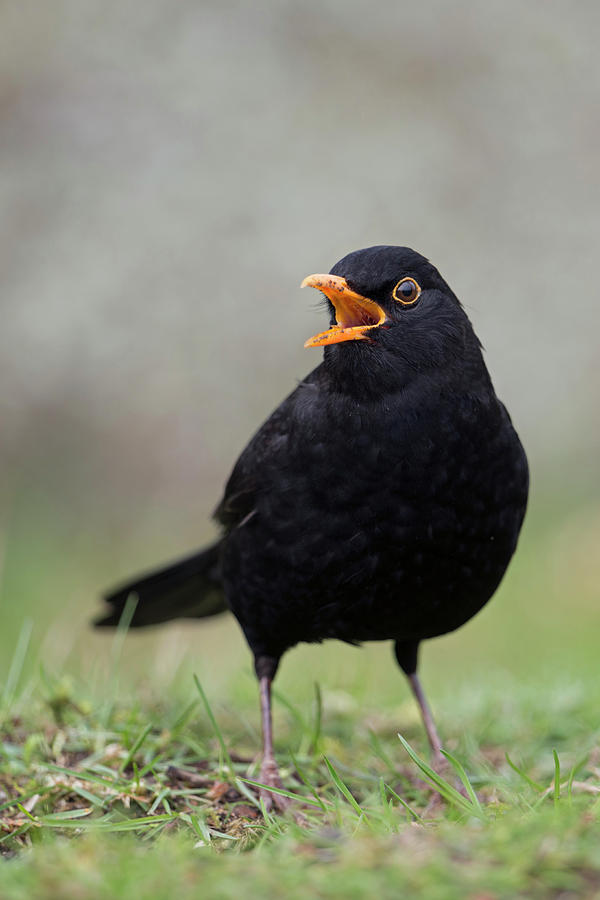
(270, 440)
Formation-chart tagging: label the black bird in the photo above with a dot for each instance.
(382, 500)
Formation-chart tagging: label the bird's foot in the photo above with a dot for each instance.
(270, 778)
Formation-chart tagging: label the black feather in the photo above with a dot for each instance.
(190, 589)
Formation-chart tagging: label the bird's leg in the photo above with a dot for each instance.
(434, 739)
(266, 666)
(407, 655)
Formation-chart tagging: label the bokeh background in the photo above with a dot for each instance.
(170, 170)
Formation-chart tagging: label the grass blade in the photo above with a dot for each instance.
(84, 775)
(59, 818)
(315, 741)
(284, 793)
(378, 750)
(22, 829)
(524, 775)
(213, 722)
(116, 653)
(200, 827)
(136, 746)
(246, 792)
(344, 790)
(556, 791)
(87, 795)
(446, 790)
(465, 780)
(403, 803)
(183, 718)
(295, 713)
(576, 768)
(16, 665)
(304, 779)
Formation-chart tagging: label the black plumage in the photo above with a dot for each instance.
(382, 500)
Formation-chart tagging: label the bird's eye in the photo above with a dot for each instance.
(406, 291)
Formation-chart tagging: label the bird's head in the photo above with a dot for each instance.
(391, 311)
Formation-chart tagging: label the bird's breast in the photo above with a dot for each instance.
(376, 518)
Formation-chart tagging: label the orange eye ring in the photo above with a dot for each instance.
(407, 291)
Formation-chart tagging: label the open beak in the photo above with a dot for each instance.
(354, 314)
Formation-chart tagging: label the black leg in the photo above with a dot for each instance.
(266, 667)
(407, 656)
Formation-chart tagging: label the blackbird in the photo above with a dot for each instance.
(382, 500)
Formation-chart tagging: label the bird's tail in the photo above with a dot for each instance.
(190, 588)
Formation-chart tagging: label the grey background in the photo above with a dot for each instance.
(170, 171)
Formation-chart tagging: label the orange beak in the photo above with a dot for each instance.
(354, 314)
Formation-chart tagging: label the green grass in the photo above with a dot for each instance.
(102, 800)
(128, 764)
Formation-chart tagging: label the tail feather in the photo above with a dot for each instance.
(190, 588)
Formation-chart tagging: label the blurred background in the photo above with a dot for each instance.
(170, 171)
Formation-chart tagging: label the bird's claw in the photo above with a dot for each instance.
(270, 778)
